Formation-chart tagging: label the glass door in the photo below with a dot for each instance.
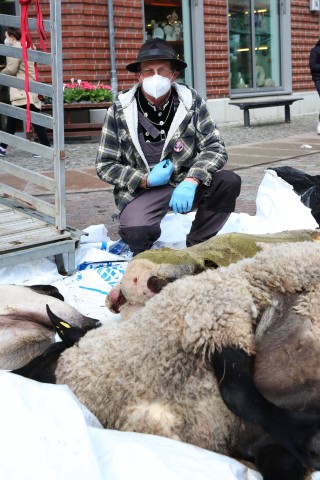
(254, 45)
(170, 20)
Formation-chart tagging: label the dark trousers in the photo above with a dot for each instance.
(12, 125)
(140, 219)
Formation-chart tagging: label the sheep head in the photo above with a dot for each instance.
(146, 275)
(150, 271)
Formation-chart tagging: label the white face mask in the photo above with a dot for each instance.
(6, 41)
(156, 86)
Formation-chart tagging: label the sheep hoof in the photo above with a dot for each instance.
(277, 463)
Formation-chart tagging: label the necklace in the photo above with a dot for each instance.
(162, 122)
(161, 107)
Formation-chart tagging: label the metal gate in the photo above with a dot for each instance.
(31, 227)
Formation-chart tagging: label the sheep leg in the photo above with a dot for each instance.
(42, 368)
(297, 432)
(47, 290)
(277, 463)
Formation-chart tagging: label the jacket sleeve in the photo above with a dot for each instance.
(111, 165)
(314, 61)
(211, 152)
(12, 66)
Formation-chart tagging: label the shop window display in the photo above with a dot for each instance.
(254, 45)
(165, 20)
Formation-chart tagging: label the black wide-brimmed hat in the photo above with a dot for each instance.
(156, 49)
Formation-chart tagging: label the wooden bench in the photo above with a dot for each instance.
(246, 104)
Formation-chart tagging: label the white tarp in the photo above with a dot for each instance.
(47, 434)
(278, 208)
(44, 431)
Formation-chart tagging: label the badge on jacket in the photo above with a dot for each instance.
(178, 146)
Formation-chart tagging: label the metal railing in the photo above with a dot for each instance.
(55, 122)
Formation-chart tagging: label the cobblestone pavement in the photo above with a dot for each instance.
(82, 153)
(261, 131)
(92, 202)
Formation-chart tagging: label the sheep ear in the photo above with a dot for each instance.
(69, 334)
(209, 263)
(156, 284)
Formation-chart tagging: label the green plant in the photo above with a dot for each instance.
(86, 91)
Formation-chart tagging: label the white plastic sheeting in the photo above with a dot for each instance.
(278, 208)
(46, 433)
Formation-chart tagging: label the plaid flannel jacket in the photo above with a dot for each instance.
(195, 146)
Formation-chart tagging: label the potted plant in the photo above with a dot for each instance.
(83, 91)
(79, 97)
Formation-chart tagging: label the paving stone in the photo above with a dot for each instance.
(89, 201)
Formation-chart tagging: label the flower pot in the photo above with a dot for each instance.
(97, 115)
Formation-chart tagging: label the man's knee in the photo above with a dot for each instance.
(230, 179)
(221, 195)
(140, 239)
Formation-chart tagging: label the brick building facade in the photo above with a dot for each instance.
(86, 43)
(304, 34)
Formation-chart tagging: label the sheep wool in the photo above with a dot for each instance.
(151, 374)
(150, 271)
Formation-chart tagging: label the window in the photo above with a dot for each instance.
(254, 46)
(170, 19)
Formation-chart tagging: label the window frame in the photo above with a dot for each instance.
(285, 56)
(195, 55)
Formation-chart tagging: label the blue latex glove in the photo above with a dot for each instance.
(161, 173)
(182, 198)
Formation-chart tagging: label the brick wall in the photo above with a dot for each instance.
(216, 48)
(128, 24)
(86, 52)
(85, 39)
(302, 40)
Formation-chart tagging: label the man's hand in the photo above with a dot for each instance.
(160, 174)
(183, 195)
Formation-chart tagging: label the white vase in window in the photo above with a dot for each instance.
(168, 30)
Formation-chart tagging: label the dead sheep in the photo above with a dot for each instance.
(183, 366)
(150, 271)
(25, 328)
